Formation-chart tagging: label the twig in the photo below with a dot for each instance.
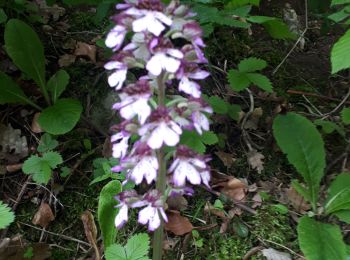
(296, 43)
(338, 106)
(244, 121)
(298, 92)
(58, 235)
(252, 252)
(277, 244)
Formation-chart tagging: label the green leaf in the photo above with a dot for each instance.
(193, 141)
(107, 212)
(341, 15)
(340, 54)
(6, 215)
(343, 215)
(339, 194)
(238, 81)
(65, 171)
(10, 92)
(233, 111)
(209, 138)
(47, 143)
(339, 2)
(329, 127)
(218, 105)
(278, 29)
(41, 167)
(115, 252)
(299, 139)
(345, 115)
(260, 80)
(57, 84)
(301, 190)
(320, 241)
(26, 50)
(251, 64)
(61, 117)
(137, 246)
(260, 19)
(236, 3)
(3, 16)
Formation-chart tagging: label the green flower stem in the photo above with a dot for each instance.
(161, 178)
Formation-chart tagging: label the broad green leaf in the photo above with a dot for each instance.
(329, 127)
(3, 16)
(115, 252)
(236, 3)
(57, 84)
(209, 138)
(278, 29)
(242, 11)
(10, 92)
(26, 50)
(41, 167)
(260, 19)
(6, 215)
(47, 143)
(238, 81)
(61, 117)
(340, 54)
(107, 211)
(299, 139)
(345, 115)
(343, 215)
(251, 64)
(340, 2)
(339, 194)
(218, 105)
(260, 80)
(137, 246)
(301, 190)
(341, 15)
(229, 21)
(320, 241)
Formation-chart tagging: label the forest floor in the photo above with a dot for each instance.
(266, 213)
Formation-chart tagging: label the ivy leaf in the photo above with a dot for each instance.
(6, 215)
(320, 241)
(61, 117)
(339, 194)
(340, 54)
(47, 143)
(251, 64)
(57, 84)
(299, 139)
(10, 92)
(137, 246)
(345, 115)
(260, 80)
(107, 212)
(26, 50)
(238, 81)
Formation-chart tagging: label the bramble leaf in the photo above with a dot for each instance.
(6, 215)
(251, 64)
(238, 81)
(340, 54)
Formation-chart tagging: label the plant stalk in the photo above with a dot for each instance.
(161, 178)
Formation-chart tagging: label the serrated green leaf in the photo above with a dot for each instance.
(299, 139)
(53, 159)
(339, 2)
(137, 246)
(115, 252)
(259, 19)
(218, 105)
(238, 81)
(329, 127)
(251, 64)
(260, 80)
(209, 138)
(345, 115)
(320, 241)
(107, 212)
(6, 215)
(26, 50)
(47, 143)
(10, 92)
(57, 84)
(193, 141)
(278, 29)
(340, 54)
(338, 194)
(61, 117)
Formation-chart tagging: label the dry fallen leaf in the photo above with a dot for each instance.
(84, 49)
(66, 59)
(14, 167)
(297, 201)
(257, 201)
(43, 216)
(209, 208)
(177, 224)
(255, 159)
(253, 121)
(90, 230)
(69, 44)
(234, 188)
(35, 124)
(177, 202)
(273, 254)
(227, 158)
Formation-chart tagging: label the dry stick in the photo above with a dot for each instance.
(252, 252)
(280, 245)
(244, 121)
(339, 105)
(296, 43)
(58, 235)
(298, 92)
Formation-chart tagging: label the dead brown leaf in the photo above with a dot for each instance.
(90, 230)
(14, 167)
(257, 201)
(255, 159)
(43, 216)
(35, 124)
(253, 121)
(177, 224)
(297, 201)
(234, 188)
(224, 225)
(227, 158)
(84, 49)
(177, 202)
(209, 208)
(66, 60)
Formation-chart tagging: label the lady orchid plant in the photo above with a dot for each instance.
(166, 51)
